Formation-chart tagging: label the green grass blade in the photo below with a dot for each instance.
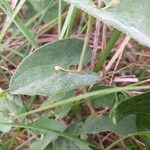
(72, 21)
(107, 51)
(40, 32)
(8, 10)
(43, 14)
(5, 28)
(85, 97)
(67, 21)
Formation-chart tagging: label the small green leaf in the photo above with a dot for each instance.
(37, 75)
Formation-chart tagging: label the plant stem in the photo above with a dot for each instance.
(107, 51)
(85, 97)
(87, 38)
(59, 17)
(72, 20)
(67, 21)
(96, 40)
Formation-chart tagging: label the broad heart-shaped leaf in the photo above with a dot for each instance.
(95, 124)
(128, 16)
(37, 74)
(138, 105)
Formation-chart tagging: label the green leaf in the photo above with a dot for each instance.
(138, 105)
(10, 106)
(95, 124)
(46, 138)
(127, 16)
(108, 100)
(74, 130)
(37, 74)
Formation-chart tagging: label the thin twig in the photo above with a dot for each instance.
(96, 40)
(87, 38)
(118, 52)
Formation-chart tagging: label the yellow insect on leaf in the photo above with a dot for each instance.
(112, 3)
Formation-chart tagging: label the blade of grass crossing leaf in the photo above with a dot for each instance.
(4, 30)
(67, 21)
(40, 20)
(27, 24)
(107, 51)
(8, 10)
(82, 29)
(85, 97)
(14, 34)
(70, 27)
(17, 32)
(50, 24)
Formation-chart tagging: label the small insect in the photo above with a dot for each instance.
(112, 3)
(58, 69)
